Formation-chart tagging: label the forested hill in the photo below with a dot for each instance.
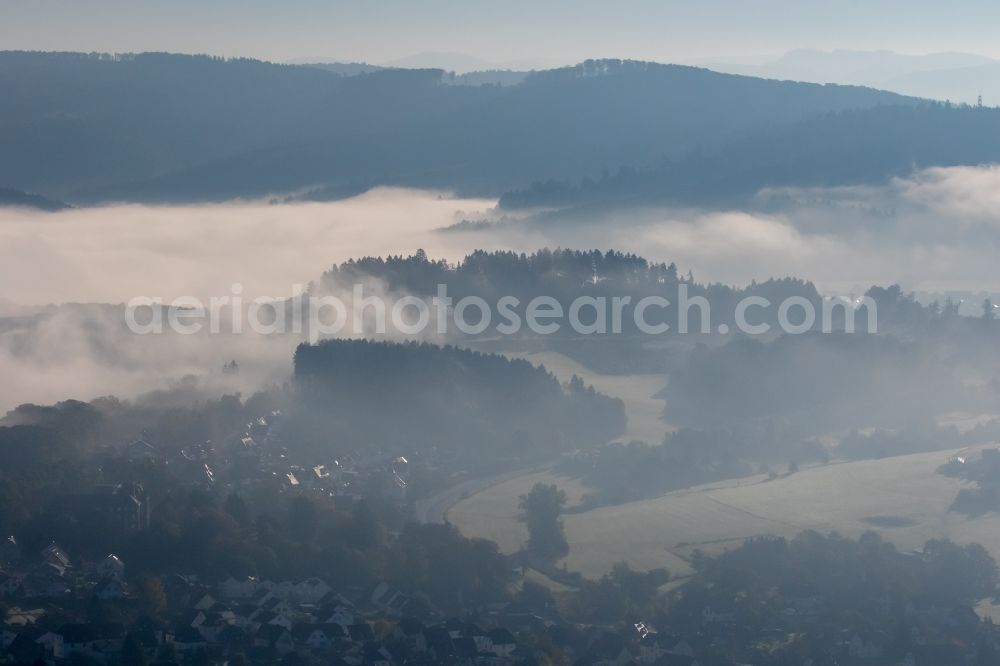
(858, 146)
(180, 128)
(469, 405)
(562, 274)
(12, 197)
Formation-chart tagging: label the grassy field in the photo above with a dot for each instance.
(903, 498)
(492, 513)
(642, 409)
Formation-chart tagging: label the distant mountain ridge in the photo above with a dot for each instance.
(484, 77)
(960, 77)
(161, 127)
(846, 148)
(342, 68)
(19, 198)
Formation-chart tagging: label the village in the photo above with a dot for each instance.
(57, 607)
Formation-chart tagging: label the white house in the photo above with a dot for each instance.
(111, 567)
(141, 451)
(54, 555)
(10, 550)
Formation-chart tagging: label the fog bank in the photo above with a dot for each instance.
(111, 254)
(936, 231)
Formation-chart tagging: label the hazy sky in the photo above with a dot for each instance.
(501, 31)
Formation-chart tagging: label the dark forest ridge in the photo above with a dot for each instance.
(12, 197)
(162, 127)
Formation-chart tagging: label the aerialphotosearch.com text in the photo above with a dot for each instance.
(354, 313)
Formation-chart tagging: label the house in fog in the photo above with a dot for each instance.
(10, 551)
(141, 451)
(111, 567)
(55, 556)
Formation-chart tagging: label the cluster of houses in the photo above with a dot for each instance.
(263, 621)
(52, 576)
(55, 611)
(259, 621)
(934, 635)
(258, 455)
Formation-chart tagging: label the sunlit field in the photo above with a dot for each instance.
(903, 498)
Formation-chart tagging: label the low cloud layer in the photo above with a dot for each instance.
(112, 254)
(937, 231)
